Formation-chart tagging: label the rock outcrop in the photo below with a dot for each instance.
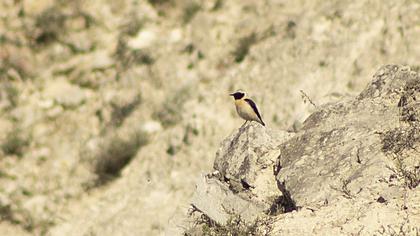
(243, 182)
(353, 168)
(341, 144)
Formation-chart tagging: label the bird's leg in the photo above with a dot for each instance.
(245, 123)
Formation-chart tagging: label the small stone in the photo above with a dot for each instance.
(101, 60)
(150, 127)
(65, 93)
(381, 199)
(175, 35)
(144, 39)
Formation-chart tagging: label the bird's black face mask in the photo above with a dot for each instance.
(238, 95)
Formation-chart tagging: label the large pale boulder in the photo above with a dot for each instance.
(243, 182)
(340, 151)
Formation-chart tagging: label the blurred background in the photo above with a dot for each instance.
(110, 110)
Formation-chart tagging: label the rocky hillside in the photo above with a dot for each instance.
(353, 169)
(109, 110)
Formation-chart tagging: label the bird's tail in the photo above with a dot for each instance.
(261, 122)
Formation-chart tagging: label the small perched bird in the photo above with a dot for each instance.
(246, 108)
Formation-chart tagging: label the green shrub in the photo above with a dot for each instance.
(115, 154)
(243, 47)
(190, 11)
(158, 2)
(15, 143)
(50, 24)
(121, 112)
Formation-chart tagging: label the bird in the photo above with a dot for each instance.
(246, 108)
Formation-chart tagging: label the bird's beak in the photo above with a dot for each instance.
(231, 94)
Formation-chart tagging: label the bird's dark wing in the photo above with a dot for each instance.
(254, 107)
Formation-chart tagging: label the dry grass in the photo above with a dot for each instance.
(235, 226)
(401, 141)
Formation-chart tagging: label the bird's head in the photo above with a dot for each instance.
(238, 94)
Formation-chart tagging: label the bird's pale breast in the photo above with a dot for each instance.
(245, 110)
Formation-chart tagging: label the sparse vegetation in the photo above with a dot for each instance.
(190, 11)
(171, 111)
(291, 29)
(402, 140)
(189, 131)
(127, 57)
(11, 69)
(218, 5)
(120, 112)
(281, 204)
(402, 229)
(344, 189)
(10, 93)
(49, 25)
(158, 2)
(22, 217)
(396, 145)
(411, 176)
(7, 214)
(235, 226)
(15, 143)
(116, 153)
(171, 150)
(133, 26)
(243, 47)
(306, 98)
